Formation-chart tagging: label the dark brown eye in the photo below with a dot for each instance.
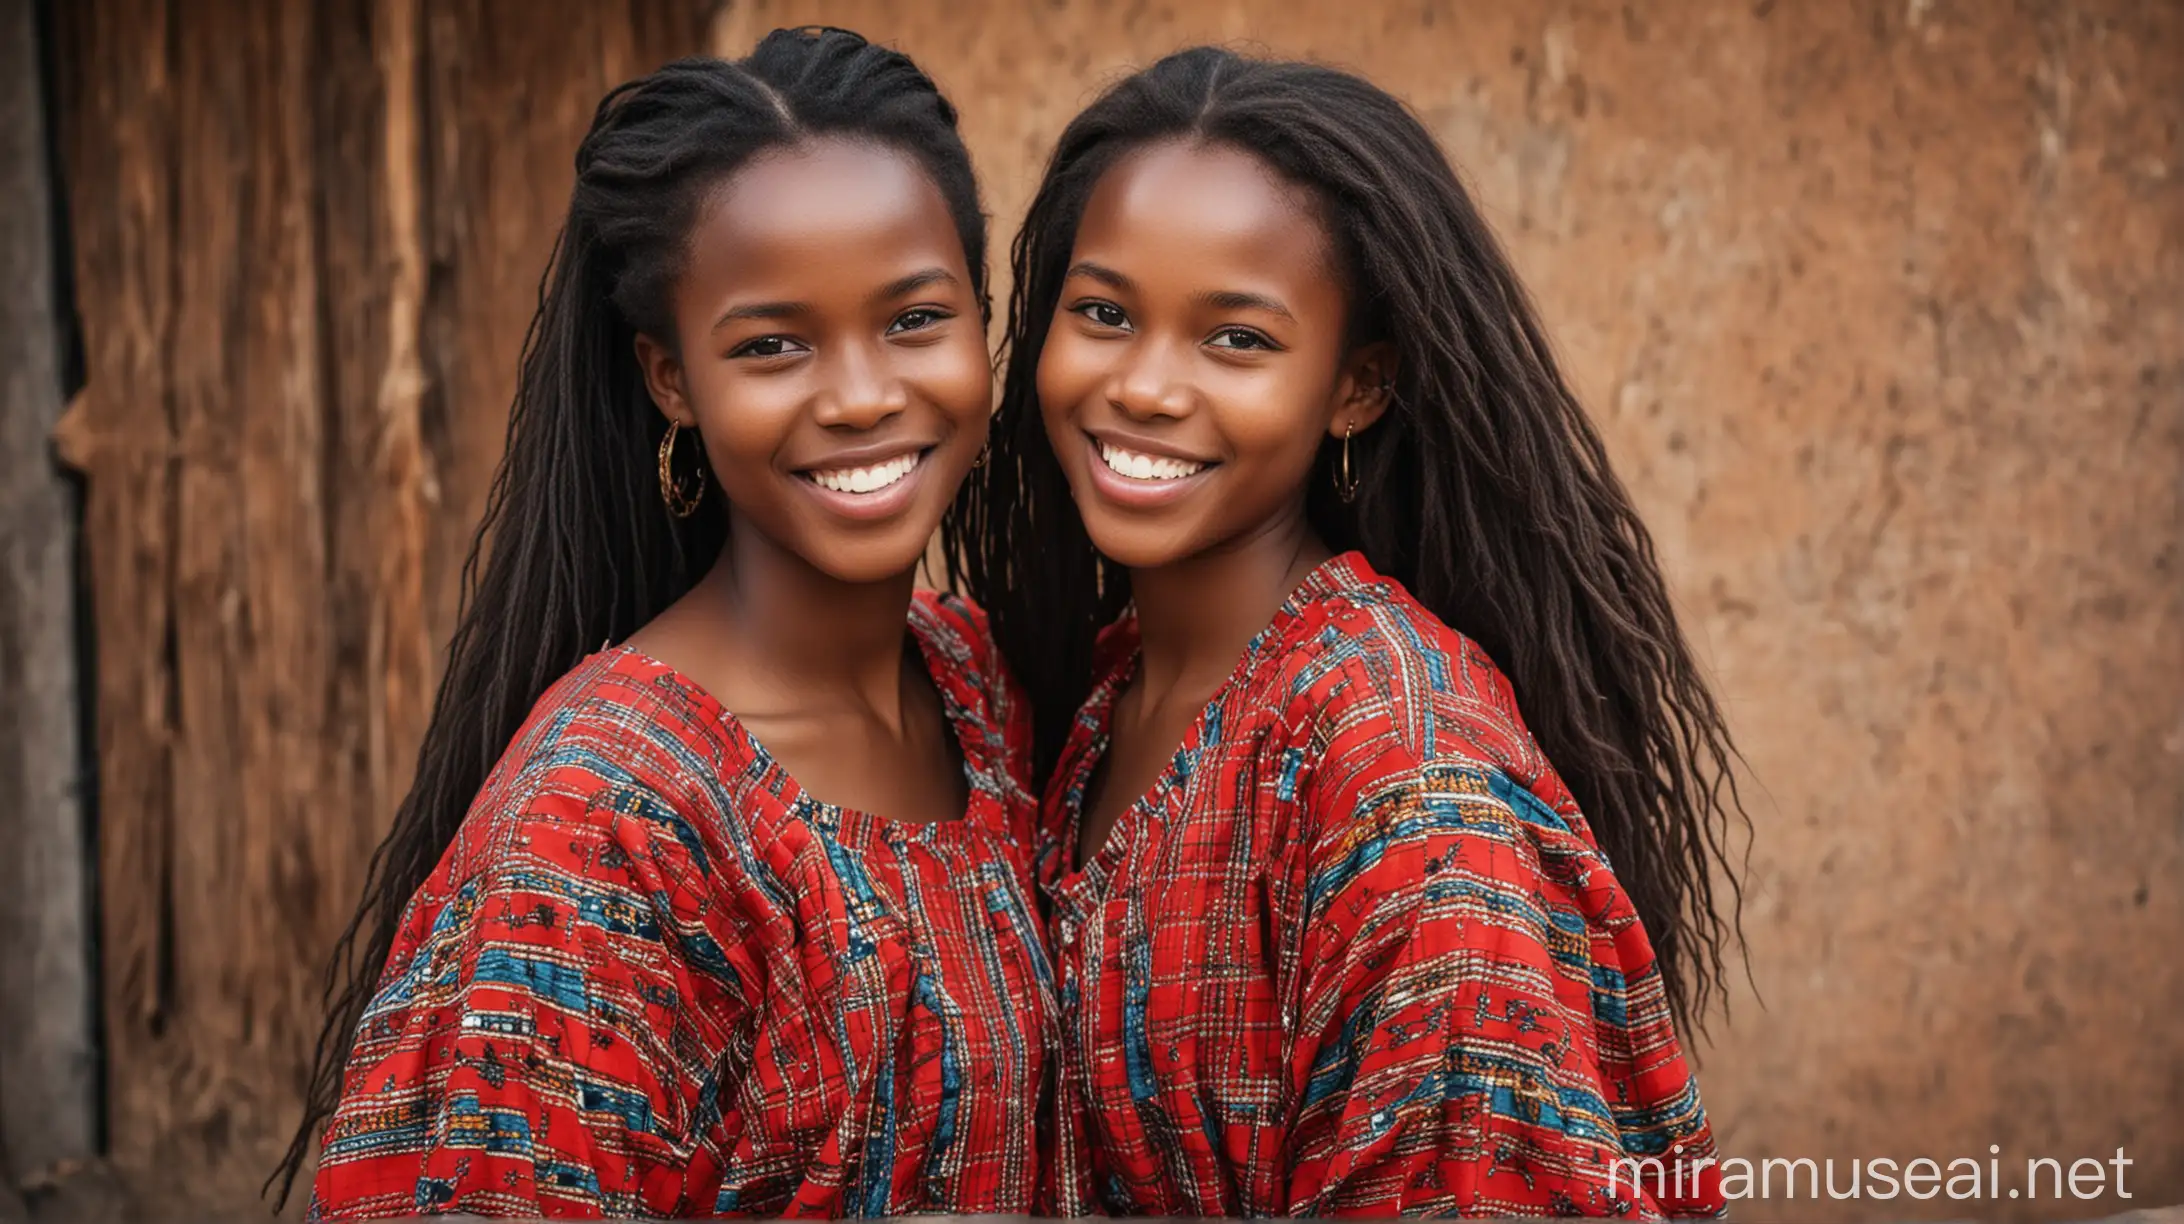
(917, 319)
(1242, 338)
(1105, 314)
(766, 346)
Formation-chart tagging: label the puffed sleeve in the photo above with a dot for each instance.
(544, 1038)
(1446, 1055)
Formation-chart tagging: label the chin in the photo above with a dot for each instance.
(1140, 545)
(868, 560)
(871, 551)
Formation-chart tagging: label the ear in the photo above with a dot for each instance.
(1363, 393)
(664, 380)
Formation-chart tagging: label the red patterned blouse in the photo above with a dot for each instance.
(651, 977)
(1356, 951)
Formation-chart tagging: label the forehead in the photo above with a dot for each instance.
(821, 207)
(1188, 207)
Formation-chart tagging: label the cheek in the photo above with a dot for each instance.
(1272, 420)
(744, 420)
(1275, 421)
(1070, 371)
(954, 376)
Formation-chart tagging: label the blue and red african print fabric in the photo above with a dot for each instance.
(651, 977)
(1357, 952)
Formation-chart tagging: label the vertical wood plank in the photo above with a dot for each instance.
(118, 142)
(48, 1072)
(249, 561)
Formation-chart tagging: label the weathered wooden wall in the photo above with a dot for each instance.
(1876, 303)
(308, 237)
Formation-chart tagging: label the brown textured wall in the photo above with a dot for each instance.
(1877, 304)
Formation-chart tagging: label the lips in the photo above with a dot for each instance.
(870, 478)
(868, 487)
(1136, 465)
(1138, 480)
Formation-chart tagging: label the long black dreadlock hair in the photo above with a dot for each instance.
(581, 548)
(1484, 489)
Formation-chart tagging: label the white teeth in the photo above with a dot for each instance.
(866, 479)
(1146, 467)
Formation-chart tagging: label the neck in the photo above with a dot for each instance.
(798, 622)
(1196, 615)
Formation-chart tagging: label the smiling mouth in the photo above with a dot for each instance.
(868, 479)
(1138, 466)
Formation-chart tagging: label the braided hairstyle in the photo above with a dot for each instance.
(581, 549)
(1484, 489)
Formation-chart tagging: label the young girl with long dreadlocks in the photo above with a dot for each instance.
(642, 944)
(1333, 910)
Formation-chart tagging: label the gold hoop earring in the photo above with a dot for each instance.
(679, 503)
(1346, 480)
(985, 452)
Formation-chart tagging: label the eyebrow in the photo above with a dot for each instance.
(787, 310)
(1230, 299)
(761, 310)
(1101, 273)
(916, 280)
(1219, 299)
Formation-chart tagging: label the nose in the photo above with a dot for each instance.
(1150, 383)
(861, 392)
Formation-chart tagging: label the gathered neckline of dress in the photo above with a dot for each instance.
(1117, 656)
(982, 802)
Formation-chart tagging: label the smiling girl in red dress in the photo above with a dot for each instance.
(712, 893)
(1381, 821)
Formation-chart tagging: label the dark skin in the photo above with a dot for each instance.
(1199, 345)
(829, 335)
